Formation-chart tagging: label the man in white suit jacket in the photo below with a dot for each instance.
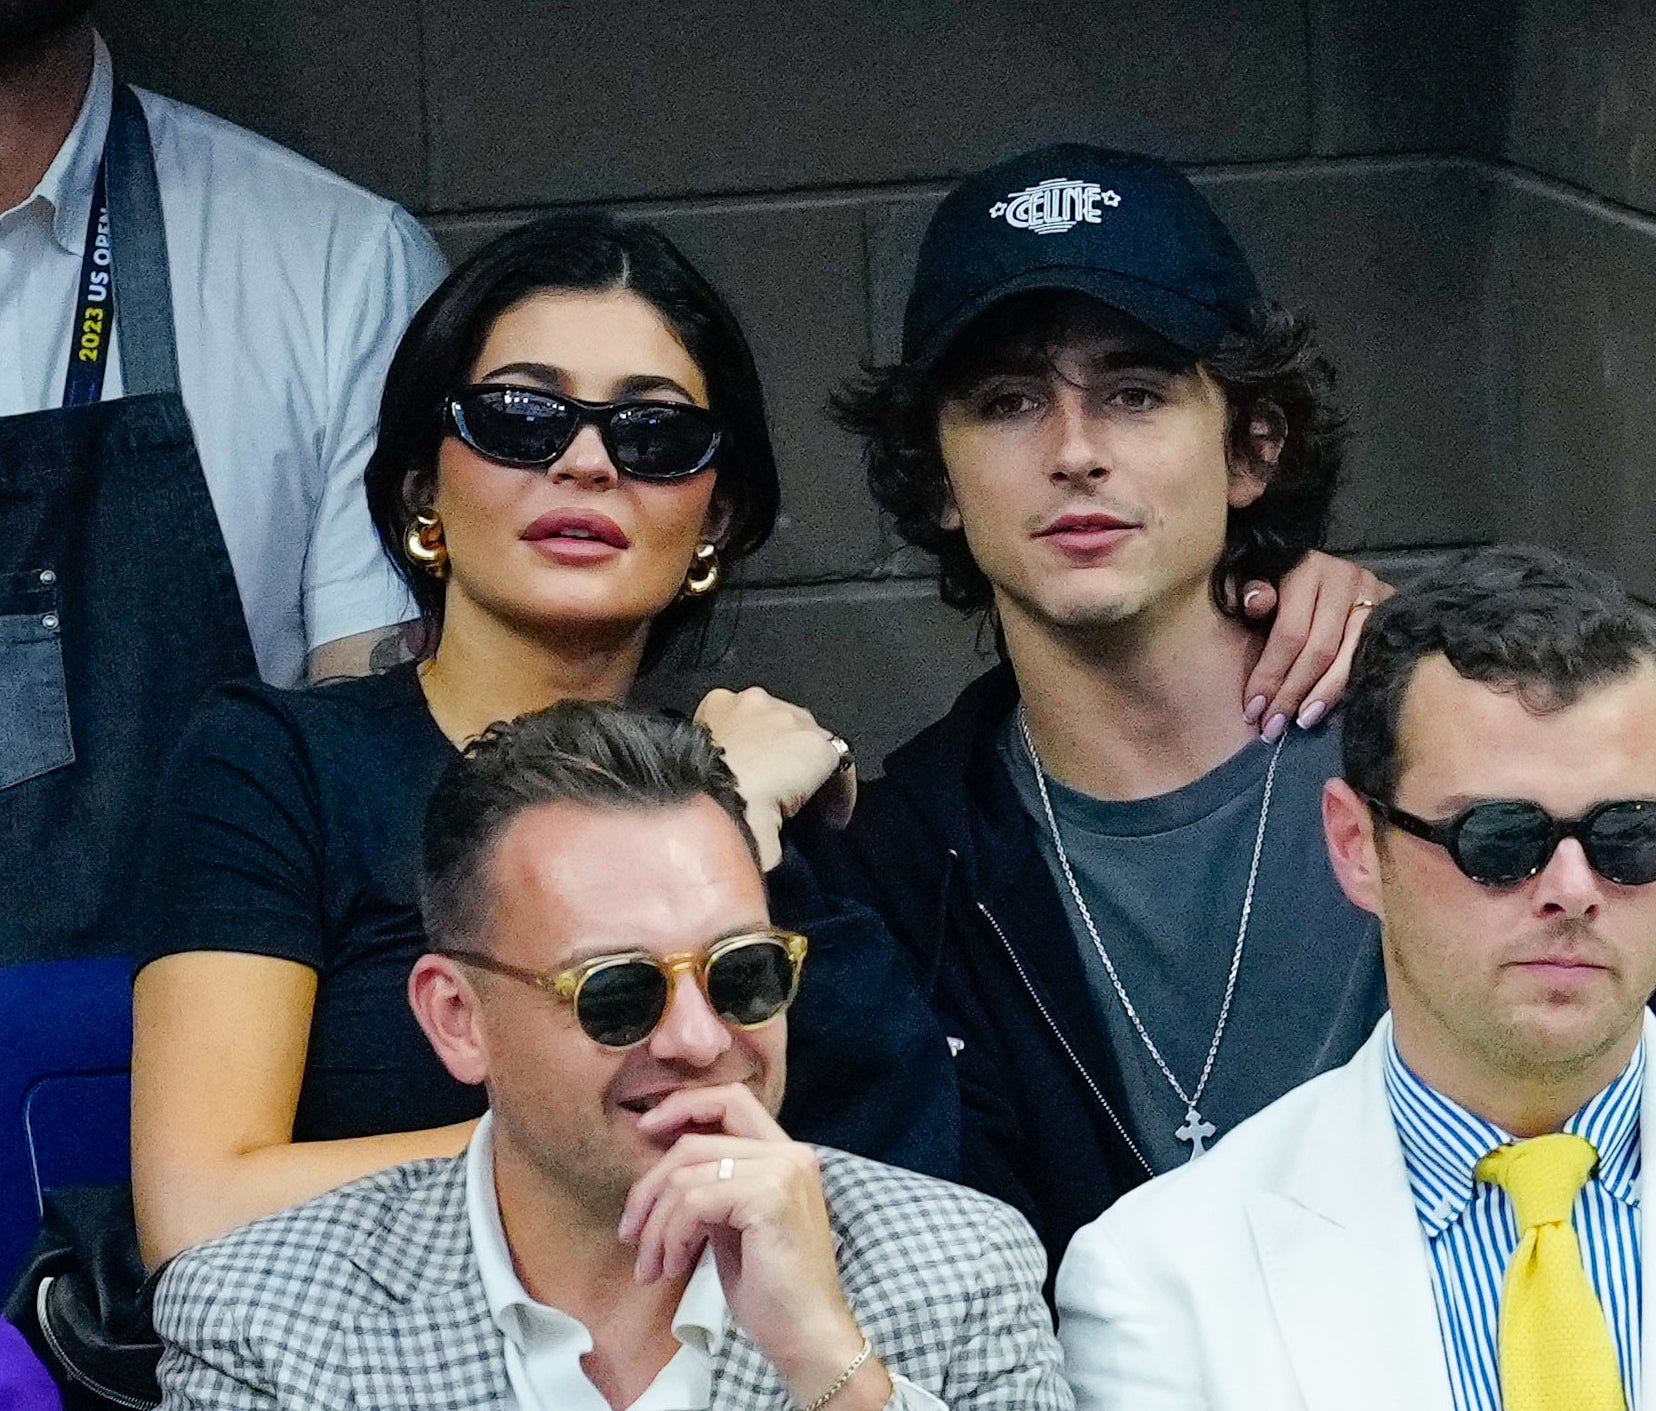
(1301, 1266)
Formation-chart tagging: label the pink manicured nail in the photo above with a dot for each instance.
(1274, 728)
(1255, 709)
(1312, 714)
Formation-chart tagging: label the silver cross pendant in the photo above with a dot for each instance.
(1196, 1130)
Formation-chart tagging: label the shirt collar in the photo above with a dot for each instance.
(67, 185)
(699, 1321)
(1442, 1141)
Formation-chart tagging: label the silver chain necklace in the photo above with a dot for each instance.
(1196, 1129)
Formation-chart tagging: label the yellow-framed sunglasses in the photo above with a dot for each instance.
(748, 978)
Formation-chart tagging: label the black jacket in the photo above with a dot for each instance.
(943, 850)
(868, 1065)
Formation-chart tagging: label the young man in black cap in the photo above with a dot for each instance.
(1106, 862)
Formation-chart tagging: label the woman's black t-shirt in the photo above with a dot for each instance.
(288, 824)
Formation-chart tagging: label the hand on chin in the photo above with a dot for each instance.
(665, 1115)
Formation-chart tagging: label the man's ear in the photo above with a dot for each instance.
(1256, 447)
(445, 1003)
(1348, 826)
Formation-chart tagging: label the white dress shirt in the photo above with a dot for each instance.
(290, 289)
(544, 1345)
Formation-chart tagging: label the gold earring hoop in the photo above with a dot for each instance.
(424, 544)
(703, 576)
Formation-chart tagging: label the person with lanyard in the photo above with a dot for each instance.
(1105, 863)
(1452, 1221)
(194, 327)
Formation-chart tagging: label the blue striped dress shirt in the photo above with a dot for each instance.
(1471, 1232)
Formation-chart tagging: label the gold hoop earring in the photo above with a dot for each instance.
(703, 576)
(424, 544)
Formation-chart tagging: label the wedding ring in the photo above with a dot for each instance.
(1360, 603)
(727, 1167)
(847, 760)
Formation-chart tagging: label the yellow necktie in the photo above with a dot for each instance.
(1556, 1353)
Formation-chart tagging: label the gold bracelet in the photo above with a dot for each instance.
(843, 1378)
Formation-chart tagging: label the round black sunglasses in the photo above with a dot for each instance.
(1500, 842)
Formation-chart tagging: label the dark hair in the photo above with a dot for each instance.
(583, 752)
(594, 253)
(1272, 371)
(1518, 619)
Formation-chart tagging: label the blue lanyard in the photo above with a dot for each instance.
(95, 306)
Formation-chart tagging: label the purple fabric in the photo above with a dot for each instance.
(25, 1385)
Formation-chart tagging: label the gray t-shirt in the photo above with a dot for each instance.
(1164, 880)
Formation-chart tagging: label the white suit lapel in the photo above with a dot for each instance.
(1344, 1259)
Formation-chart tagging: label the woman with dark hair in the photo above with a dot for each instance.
(636, 283)
(572, 452)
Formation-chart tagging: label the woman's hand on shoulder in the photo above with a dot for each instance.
(1320, 606)
(781, 758)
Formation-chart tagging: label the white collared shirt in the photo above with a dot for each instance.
(544, 1345)
(290, 289)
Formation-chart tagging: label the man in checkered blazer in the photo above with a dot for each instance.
(628, 1227)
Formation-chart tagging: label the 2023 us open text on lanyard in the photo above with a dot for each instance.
(95, 304)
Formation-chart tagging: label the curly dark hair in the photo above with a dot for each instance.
(1516, 618)
(1273, 371)
(589, 253)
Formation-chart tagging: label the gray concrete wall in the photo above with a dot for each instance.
(1572, 281)
(1365, 151)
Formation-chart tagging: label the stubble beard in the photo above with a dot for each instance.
(582, 1175)
(1130, 619)
(1080, 622)
(1534, 1053)
(1507, 1039)
(1087, 619)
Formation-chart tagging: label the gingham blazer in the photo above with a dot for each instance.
(369, 1297)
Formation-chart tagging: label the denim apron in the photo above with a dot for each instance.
(118, 607)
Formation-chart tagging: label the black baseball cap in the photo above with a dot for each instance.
(1126, 228)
